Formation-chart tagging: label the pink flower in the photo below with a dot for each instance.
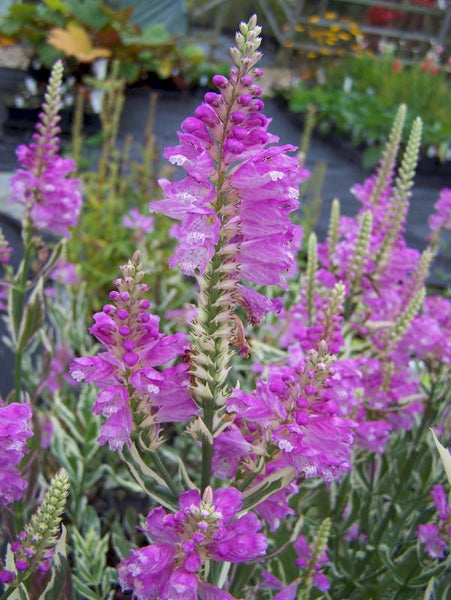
(440, 500)
(52, 199)
(15, 429)
(229, 447)
(373, 435)
(441, 218)
(136, 220)
(125, 372)
(294, 408)
(202, 529)
(59, 370)
(65, 273)
(429, 535)
(238, 192)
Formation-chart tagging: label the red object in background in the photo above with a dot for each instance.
(430, 66)
(397, 65)
(425, 3)
(381, 17)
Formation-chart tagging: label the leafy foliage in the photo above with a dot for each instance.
(361, 113)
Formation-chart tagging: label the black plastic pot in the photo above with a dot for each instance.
(11, 79)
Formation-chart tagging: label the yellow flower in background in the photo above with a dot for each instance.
(343, 36)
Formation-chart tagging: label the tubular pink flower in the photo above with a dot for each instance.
(429, 535)
(129, 385)
(15, 429)
(441, 217)
(440, 500)
(294, 409)
(238, 192)
(202, 529)
(52, 200)
(136, 220)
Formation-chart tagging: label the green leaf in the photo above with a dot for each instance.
(20, 593)
(54, 588)
(193, 53)
(121, 545)
(84, 591)
(33, 316)
(444, 455)
(56, 253)
(129, 71)
(256, 494)
(57, 5)
(14, 309)
(152, 37)
(265, 353)
(429, 589)
(22, 12)
(89, 12)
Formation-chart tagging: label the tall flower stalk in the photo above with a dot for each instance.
(233, 206)
(52, 203)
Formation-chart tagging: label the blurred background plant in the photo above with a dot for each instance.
(357, 96)
(118, 185)
(85, 31)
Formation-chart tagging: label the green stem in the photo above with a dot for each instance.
(17, 374)
(161, 468)
(207, 448)
(12, 588)
(212, 295)
(19, 300)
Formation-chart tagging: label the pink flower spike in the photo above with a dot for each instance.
(125, 371)
(15, 429)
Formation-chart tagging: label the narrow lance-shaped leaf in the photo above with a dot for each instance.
(54, 588)
(33, 316)
(445, 456)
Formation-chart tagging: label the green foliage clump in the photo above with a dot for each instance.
(377, 87)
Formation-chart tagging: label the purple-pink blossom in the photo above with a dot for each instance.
(441, 217)
(43, 186)
(52, 199)
(125, 371)
(238, 190)
(293, 410)
(430, 536)
(440, 500)
(204, 528)
(134, 219)
(15, 429)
